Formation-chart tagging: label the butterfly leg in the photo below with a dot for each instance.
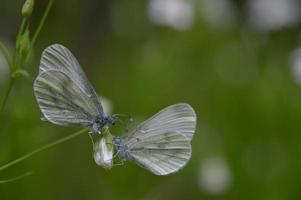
(121, 118)
(118, 164)
(91, 138)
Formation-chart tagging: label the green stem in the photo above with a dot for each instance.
(36, 35)
(42, 22)
(43, 148)
(22, 27)
(6, 55)
(6, 95)
(14, 64)
(16, 178)
(16, 51)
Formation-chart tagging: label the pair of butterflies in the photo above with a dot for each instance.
(160, 144)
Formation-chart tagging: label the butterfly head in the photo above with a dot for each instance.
(123, 119)
(110, 120)
(121, 148)
(117, 141)
(100, 121)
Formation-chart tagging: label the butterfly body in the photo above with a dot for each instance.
(121, 147)
(100, 121)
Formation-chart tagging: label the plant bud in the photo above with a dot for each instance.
(24, 42)
(27, 8)
(103, 151)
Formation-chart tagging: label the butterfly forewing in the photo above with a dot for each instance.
(61, 100)
(161, 154)
(178, 117)
(58, 57)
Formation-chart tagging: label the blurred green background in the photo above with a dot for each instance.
(238, 63)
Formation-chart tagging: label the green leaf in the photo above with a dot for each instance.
(21, 72)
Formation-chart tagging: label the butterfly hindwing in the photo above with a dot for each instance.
(161, 154)
(61, 100)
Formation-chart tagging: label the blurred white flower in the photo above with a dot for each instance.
(265, 160)
(218, 13)
(274, 14)
(107, 105)
(296, 65)
(4, 69)
(178, 14)
(215, 176)
(103, 151)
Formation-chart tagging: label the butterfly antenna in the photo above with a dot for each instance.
(128, 117)
(121, 119)
(123, 124)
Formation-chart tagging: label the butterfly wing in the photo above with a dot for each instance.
(61, 100)
(175, 118)
(161, 154)
(58, 57)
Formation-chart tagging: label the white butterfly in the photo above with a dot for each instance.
(64, 93)
(161, 144)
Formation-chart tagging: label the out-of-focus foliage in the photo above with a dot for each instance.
(235, 62)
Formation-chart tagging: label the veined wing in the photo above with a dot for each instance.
(175, 118)
(61, 100)
(161, 154)
(58, 57)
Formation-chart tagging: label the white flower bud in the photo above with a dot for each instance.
(103, 151)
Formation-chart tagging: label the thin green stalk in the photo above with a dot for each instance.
(16, 178)
(42, 22)
(8, 90)
(6, 55)
(22, 27)
(43, 148)
(13, 68)
(14, 64)
(16, 51)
